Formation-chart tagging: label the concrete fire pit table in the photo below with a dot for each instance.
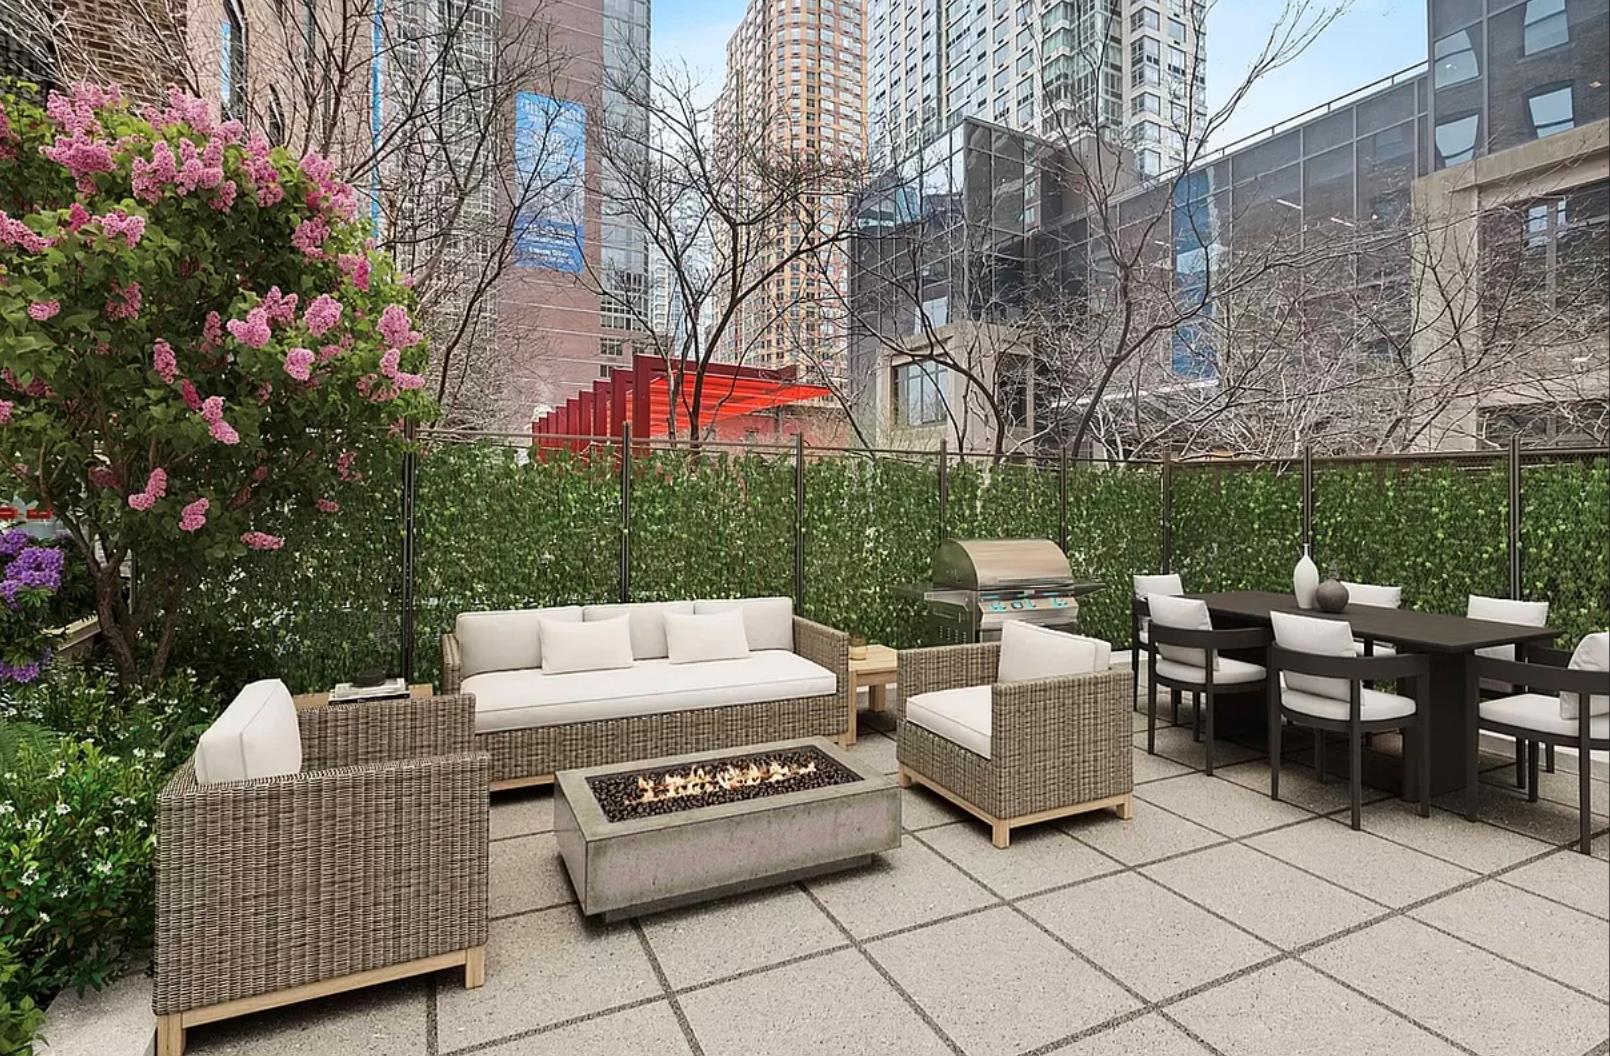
(697, 846)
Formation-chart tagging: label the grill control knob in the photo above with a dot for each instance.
(1017, 604)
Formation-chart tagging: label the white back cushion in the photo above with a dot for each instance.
(1188, 613)
(710, 636)
(506, 640)
(647, 620)
(256, 736)
(1162, 583)
(596, 646)
(1592, 654)
(1374, 594)
(1308, 634)
(1029, 651)
(769, 622)
(1506, 610)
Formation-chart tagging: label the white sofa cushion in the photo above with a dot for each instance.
(1541, 712)
(693, 638)
(597, 646)
(1374, 594)
(1162, 583)
(1029, 651)
(1373, 704)
(961, 716)
(1190, 614)
(507, 639)
(514, 700)
(256, 736)
(1592, 654)
(1229, 672)
(769, 622)
(1309, 634)
(647, 620)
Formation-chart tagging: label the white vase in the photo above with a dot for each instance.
(1305, 580)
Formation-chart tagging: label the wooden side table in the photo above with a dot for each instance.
(319, 700)
(877, 670)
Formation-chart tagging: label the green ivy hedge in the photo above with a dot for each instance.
(1565, 543)
(1237, 527)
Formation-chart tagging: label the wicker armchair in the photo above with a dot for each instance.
(368, 865)
(1057, 746)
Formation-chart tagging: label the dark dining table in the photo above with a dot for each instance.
(1450, 643)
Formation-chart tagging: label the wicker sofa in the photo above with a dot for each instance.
(359, 857)
(1049, 747)
(535, 724)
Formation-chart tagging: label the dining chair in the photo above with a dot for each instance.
(1316, 680)
(1184, 653)
(1553, 717)
(1508, 610)
(1160, 583)
(1382, 597)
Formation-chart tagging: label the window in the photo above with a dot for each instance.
(1176, 29)
(1551, 110)
(1455, 60)
(919, 393)
(276, 119)
(1143, 18)
(232, 63)
(1545, 26)
(1456, 140)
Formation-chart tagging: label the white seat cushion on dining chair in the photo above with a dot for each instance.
(1029, 651)
(1309, 634)
(1373, 705)
(1161, 583)
(1189, 614)
(1504, 610)
(1540, 712)
(258, 735)
(961, 716)
(1374, 594)
(1592, 654)
(1381, 649)
(1229, 672)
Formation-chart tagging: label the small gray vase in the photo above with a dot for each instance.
(1331, 595)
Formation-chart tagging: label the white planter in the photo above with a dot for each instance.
(1305, 580)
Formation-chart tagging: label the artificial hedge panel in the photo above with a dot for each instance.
(1006, 501)
(1565, 544)
(1114, 531)
(1439, 530)
(1235, 527)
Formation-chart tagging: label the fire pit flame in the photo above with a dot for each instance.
(699, 781)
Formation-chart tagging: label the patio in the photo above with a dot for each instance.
(1216, 921)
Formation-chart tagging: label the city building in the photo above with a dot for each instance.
(1064, 70)
(1452, 217)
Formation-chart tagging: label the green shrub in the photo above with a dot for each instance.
(20, 1017)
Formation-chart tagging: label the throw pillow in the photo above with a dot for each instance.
(596, 646)
(692, 638)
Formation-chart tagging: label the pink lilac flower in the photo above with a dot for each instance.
(8, 147)
(309, 237)
(194, 516)
(224, 198)
(261, 541)
(156, 486)
(188, 393)
(265, 391)
(16, 233)
(124, 303)
(299, 363)
(279, 307)
(355, 266)
(212, 409)
(147, 178)
(77, 216)
(329, 352)
(164, 362)
(321, 315)
(102, 477)
(343, 466)
(390, 361)
(407, 280)
(82, 157)
(212, 332)
(118, 224)
(259, 474)
(327, 506)
(39, 311)
(182, 109)
(407, 382)
(6, 407)
(396, 328)
(223, 432)
(252, 331)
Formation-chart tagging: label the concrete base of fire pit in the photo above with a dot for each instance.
(627, 868)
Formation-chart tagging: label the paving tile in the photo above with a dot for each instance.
(384, 1020)
(1152, 833)
(1176, 743)
(544, 968)
(906, 886)
(1299, 785)
(1462, 992)
(1484, 848)
(998, 985)
(1220, 805)
(876, 750)
(1362, 862)
(1559, 787)
(1155, 767)
(1276, 901)
(650, 1030)
(833, 1004)
(1601, 846)
(1288, 1009)
(527, 873)
(718, 939)
(1575, 879)
(1562, 943)
(1041, 857)
(1149, 1035)
(521, 812)
(1545, 820)
(1153, 940)
(922, 808)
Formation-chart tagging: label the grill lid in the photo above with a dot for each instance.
(994, 564)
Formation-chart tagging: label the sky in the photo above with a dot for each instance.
(1372, 39)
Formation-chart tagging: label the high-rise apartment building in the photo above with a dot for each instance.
(1066, 69)
(795, 76)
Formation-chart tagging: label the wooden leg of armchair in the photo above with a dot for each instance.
(1126, 809)
(1001, 834)
(170, 1036)
(475, 968)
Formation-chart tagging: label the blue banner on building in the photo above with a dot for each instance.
(550, 161)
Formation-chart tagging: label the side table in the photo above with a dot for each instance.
(875, 671)
(321, 699)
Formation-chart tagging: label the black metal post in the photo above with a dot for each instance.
(1062, 500)
(625, 572)
(944, 483)
(1515, 516)
(799, 522)
(1168, 514)
(1308, 496)
(410, 479)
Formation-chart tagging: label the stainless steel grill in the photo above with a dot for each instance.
(980, 584)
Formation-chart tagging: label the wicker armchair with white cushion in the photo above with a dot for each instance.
(1023, 730)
